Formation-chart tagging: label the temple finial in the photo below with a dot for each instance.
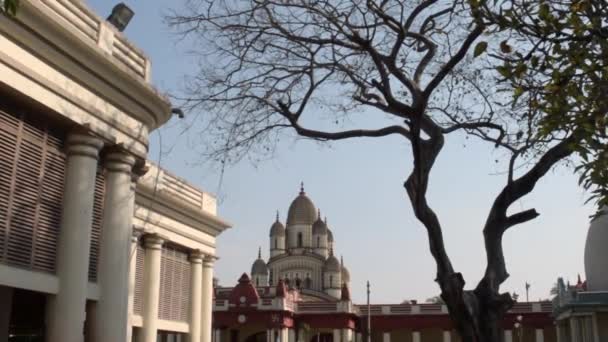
(318, 213)
(341, 261)
(260, 252)
(277, 216)
(302, 188)
(325, 219)
(331, 251)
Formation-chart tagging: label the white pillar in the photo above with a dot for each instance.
(447, 336)
(218, 333)
(153, 245)
(347, 335)
(359, 337)
(573, 329)
(540, 335)
(196, 296)
(416, 336)
(558, 332)
(207, 299)
(6, 298)
(386, 337)
(112, 311)
(132, 270)
(66, 320)
(283, 335)
(508, 335)
(337, 335)
(270, 335)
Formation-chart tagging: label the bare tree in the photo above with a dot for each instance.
(274, 67)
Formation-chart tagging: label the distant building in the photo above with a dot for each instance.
(96, 243)
(581, 311)
(302, 294)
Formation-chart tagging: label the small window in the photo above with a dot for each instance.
(276, 243)
(300, 242)
(331, 281)
(257, 281)
(318, 241)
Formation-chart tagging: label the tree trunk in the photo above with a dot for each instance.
(477, 314)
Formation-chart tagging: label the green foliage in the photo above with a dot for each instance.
(9, 7)
(558, 64)
(480, 48)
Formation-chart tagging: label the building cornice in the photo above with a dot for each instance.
(88, 43)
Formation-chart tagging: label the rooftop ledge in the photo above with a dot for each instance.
(78, 32)
(179, 194)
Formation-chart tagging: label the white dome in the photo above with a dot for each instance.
(596, 254)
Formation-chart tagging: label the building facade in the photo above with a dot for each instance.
(302, 294)
(96, 243)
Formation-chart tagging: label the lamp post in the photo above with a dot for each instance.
(369, 320)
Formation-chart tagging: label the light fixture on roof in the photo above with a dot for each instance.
(120, 17)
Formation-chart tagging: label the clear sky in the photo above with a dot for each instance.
(358, 186)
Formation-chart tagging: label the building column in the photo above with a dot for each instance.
(207, 299)
(6, 298)
(386, 337)
(196, 296)
(270, 335)
(291, 335)
(508, 335)
(132, 270)
(66, 314)
(218, 333)
(347, 335)
(447, 336)
(117, 229)
(558, 331)
(337, 334)
(416, 336)
(358, 337)
(573, 329)
(540, 335)
(153, 245)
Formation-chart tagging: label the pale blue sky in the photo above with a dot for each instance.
(358, 185)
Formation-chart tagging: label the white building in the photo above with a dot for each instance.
(96, 244)
(302, 255)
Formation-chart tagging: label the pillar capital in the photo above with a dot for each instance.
(135, 235)
(118, 160)
(83, 144)
(208, 261)
(197, 257)
(153, 241)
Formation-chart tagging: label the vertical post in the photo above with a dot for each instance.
(337, 336)
(67, 313)
(291, 335)
(196, 296)
(153, 245)
(112, 308)
(207, 300)
(540, 335)
(6, 298)
(369, 316)
(416, 336)
(508, 335)
(447, 336)
(386, 337)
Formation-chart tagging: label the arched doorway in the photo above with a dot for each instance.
(322, 337)
(257, 337)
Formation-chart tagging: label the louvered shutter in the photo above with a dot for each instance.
(174, 285)
(138, 301)
(32, 172)
(96, 225)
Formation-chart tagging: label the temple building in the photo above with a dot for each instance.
(581, 310)
(301, 293)
(96, 243)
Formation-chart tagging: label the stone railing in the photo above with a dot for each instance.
(81, 21)
(313, 307)
(163, 182)
(435, 309)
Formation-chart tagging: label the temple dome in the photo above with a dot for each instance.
(319, 227)
(332, 264)
(277, 228)
(596, 253)
(345, 275)
(301, 210)
(259, 266)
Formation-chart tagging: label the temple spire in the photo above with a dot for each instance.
(260, 252)
(341, 261)
(302, 188)
(277, 216)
